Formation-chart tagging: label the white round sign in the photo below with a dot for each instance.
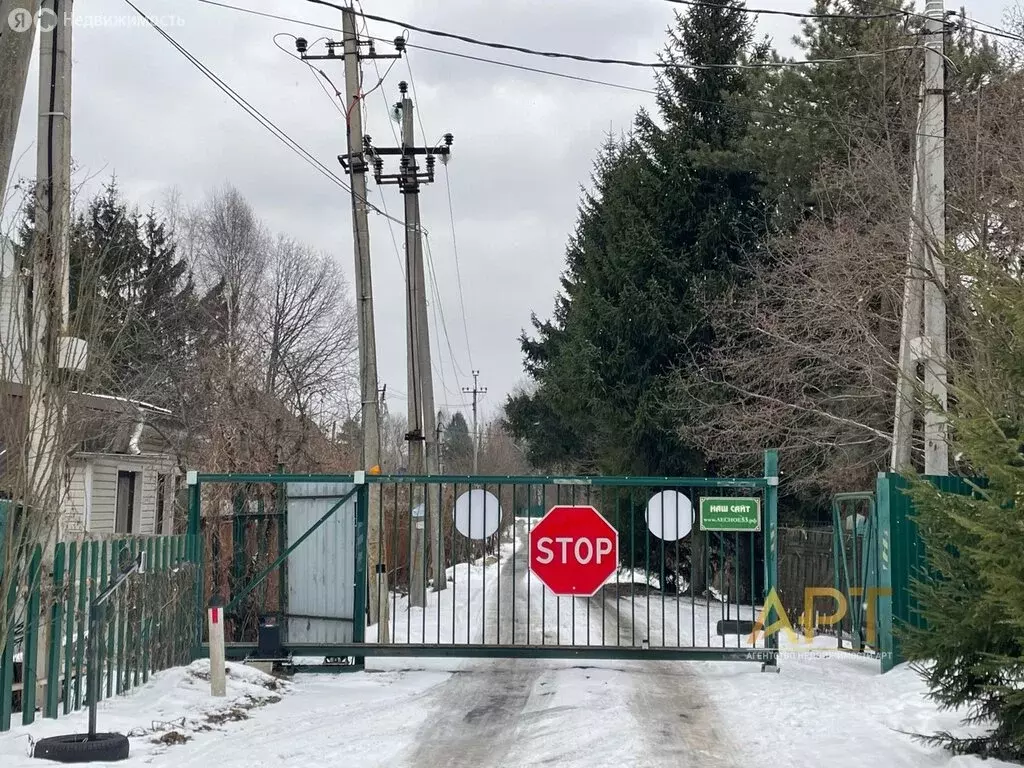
(670, 515)
(477, 514)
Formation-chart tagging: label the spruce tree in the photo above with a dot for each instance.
(675, 208)
(971, 652)
(457, 445)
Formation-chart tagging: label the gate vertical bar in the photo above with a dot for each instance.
(360, 582)
(771, 526)
(281, 508)
(515, 537)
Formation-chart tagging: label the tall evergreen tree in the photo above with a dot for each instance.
(134, 295)
(972, 598)
(675, 208)
(457, 445)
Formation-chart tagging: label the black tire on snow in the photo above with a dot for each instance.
(77, 748)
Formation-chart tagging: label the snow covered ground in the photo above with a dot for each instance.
(823, 708)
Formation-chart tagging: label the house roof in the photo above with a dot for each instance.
(102, 402)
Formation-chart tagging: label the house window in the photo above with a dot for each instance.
(126, 482)
(161, 502)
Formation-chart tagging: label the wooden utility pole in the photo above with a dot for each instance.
(421, 435)
(476, 391)
(17, 37)
(923, 333)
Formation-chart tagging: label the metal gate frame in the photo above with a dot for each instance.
(359, 649)
(195, 482)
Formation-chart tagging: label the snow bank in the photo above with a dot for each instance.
(174, 708)
(833, 708)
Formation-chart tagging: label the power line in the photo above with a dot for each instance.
(252, 111)
(620, 62)
(458, 269)
(430, 260)
(437, 298)
(240, 101)
(895, 13)
(827, 122)
(991, 29)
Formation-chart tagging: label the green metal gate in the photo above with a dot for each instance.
(669, 598)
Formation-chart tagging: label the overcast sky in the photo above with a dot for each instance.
(524, 142)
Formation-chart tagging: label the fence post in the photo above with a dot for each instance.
(194, 554)
(771, 543)
(218, 683)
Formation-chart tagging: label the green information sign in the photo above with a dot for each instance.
(730, 514)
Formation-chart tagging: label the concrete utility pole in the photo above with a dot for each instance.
(423, 456)
(48, 328)
(355, 164)
(475, 391)
(50, 287)
(933, 203)
(923, 337)
(440, 446)
(17, 37)
(913, 309)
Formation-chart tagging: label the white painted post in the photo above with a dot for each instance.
(218, 682)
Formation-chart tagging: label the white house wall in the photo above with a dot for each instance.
(11, 303)
(103, 508)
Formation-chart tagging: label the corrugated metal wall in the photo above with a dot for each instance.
(321, 572)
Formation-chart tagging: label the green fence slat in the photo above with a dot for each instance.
(147, 625)
(30, 659)
(7, 655)
(131, 633)
(69, 628)
(53, 647)
(85, 577)
(122, 665)
(107, 649)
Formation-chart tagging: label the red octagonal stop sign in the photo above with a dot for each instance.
(573, 550)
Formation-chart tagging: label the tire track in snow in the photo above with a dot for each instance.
(670, 703)
(494, 712)
(476, 711)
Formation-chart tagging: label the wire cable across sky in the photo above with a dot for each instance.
(620, 62)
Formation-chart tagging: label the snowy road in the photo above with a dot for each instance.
(493, 713)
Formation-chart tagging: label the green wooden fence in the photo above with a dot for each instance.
(901, 558)
(150, 622)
